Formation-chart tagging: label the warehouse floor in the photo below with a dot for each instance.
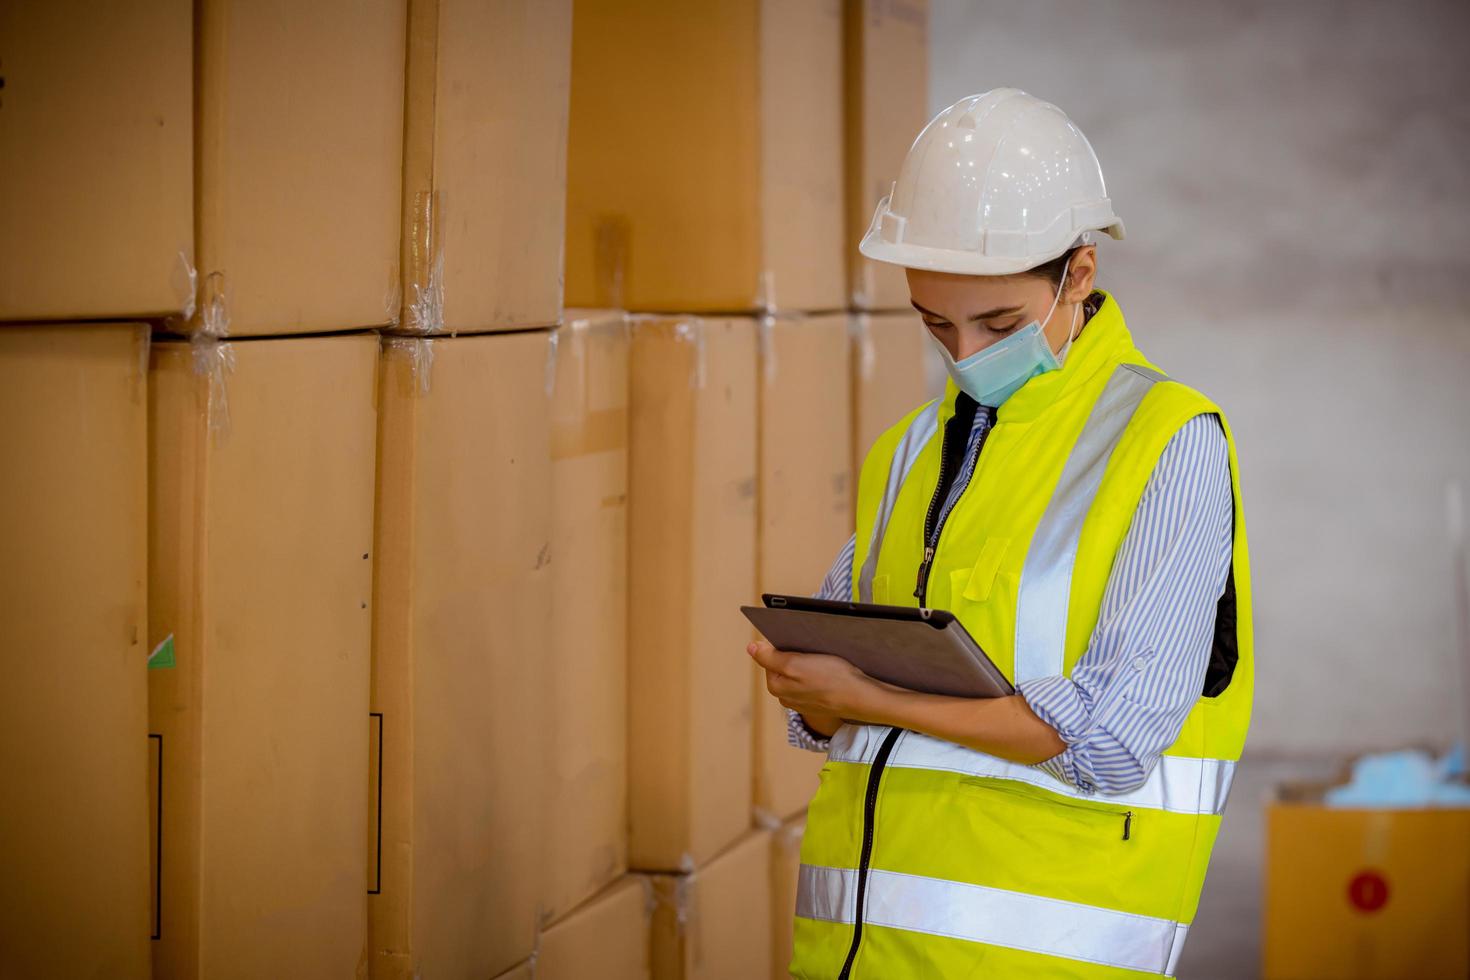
(1225, 941)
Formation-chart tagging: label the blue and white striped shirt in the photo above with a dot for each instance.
(1144, 667)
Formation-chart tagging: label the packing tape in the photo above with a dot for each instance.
(691, 331)
(419, 352)
(423, 312)
(214, 359)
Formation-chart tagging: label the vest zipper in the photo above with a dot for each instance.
(999, 785)
(870, 810)
(934, 518)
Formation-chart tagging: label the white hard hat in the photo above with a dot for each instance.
(997, 183)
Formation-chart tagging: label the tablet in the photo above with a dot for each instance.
(925, 650)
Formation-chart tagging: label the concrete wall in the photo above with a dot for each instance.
(1295, 178)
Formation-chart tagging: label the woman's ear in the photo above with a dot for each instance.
(1081, 273)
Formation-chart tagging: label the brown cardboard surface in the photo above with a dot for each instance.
(587, 780)
(259, 537)
(738, 206)
(521, 971)
(886, 46)
(785, 864)
(96, 203)
(805, 512)
(299, 164)
(607, 937)
(484, 165)
(73, 607)
(1366, 893)
(891, 376)
(691, 561)
(709, 925)
(462, 591)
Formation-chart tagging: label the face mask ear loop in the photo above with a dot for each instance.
(1052, 309)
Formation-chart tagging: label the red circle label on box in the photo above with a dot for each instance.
(1368, 891)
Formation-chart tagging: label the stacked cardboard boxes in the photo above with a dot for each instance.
(607, 936)
(704, 170)
(886, 71)
(96, 203)
(709, 924)
(805, 513)
(473, 850)
(587, 776)
(462, 610)
(785, 864)
(484, 164)
(259, 581)
(893, 368)
(691, 563)
(73, 628)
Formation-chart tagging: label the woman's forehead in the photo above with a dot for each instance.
(970, 296)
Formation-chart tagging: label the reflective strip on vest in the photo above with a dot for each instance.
(921, 429)
(1046, 578)
(994, 916)
(1177, 783)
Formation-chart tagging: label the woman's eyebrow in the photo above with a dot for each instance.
(998, 311)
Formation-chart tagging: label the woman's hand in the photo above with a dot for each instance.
(812, 683)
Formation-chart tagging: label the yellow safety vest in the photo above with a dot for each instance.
(923, 858)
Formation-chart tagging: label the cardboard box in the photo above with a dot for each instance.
(886, 47)
(895, 369)
(299, 164)
(260, 528)
(484, 164)
(1365, 893)
(785, 864)
(587, 781)
(521, 971)
(805, 512)
(73, 625)
(462, 593)
(96, 202)
(708, 925)
(704, 167)
(691, 564)
(608, 937)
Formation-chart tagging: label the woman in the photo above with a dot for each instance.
(1079, 512)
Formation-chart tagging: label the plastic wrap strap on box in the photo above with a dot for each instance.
(686, 905)
(860, 330)
(213, 311)
(186, 287)
(424, 304)
(553, 345)
(691, 330)
(420, 352)
(765, 819)
(214, 359)
(765, 295)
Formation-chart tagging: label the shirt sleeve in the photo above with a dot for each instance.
(837, 585)
(1128, 695)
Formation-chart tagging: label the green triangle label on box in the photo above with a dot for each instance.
(163, 654)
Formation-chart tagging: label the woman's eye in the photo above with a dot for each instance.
(995, 328)
(935, 326)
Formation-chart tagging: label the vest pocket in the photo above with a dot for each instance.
(1105, 820)
(975, 583)
(880, 590)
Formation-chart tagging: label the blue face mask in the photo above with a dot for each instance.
(993, 374)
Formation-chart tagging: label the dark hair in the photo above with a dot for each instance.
(1052, 271)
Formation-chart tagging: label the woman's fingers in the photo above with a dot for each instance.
(768, 656)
